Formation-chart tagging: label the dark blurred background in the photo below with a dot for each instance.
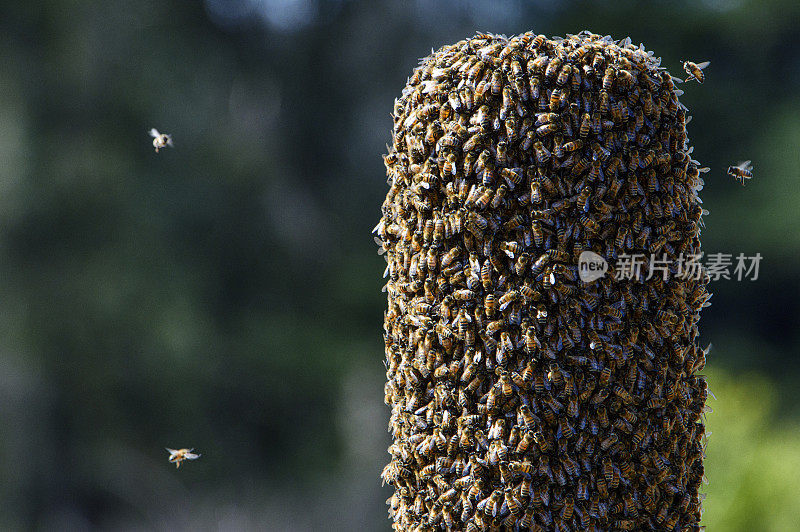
(226, 295)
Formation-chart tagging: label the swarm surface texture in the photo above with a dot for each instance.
(522, 397)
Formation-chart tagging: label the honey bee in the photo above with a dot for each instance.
(528, 418)
(572, 407)
(609, 441)
(564, 75)
(553, 68)
(586, 125)
(662, 513)
(573, 145)
(522, 264)
(449, 165)
(497, 83)
(176, 456)
(475, 70)
(541, 314)
(608, 78)
(622, 236)
(695, 70)
(555, 99)
(623, 394)
(542, 153)
(491, 399)
(508, 103)
(506, 385)
(605, 103)
(566, 511)
(530, 341)
(473, 142)
(512, 175)
(626, 78)
(467, 98)
(742, 171)
(160, 140)
(524, 443)
(511, 248)
(490, 505)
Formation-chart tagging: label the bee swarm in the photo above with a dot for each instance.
(521, 396)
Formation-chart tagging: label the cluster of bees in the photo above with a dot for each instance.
(522, 397)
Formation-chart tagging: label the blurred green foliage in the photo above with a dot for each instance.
(225, 294)
(752, 457)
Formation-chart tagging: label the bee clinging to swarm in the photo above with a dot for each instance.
(179, 455)
(742, 171)
(695, 70)
(160, 140)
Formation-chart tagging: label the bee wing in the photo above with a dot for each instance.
(170, 451)
(169, 141)
(745, 165)
(378, 241)
(153, 132)
(702, 65)
(192, 456)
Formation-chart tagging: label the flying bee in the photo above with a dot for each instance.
(742, 171)
(695, 70)
(179, 455)
(160, 140)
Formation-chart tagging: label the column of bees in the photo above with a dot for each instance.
(521, 396)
